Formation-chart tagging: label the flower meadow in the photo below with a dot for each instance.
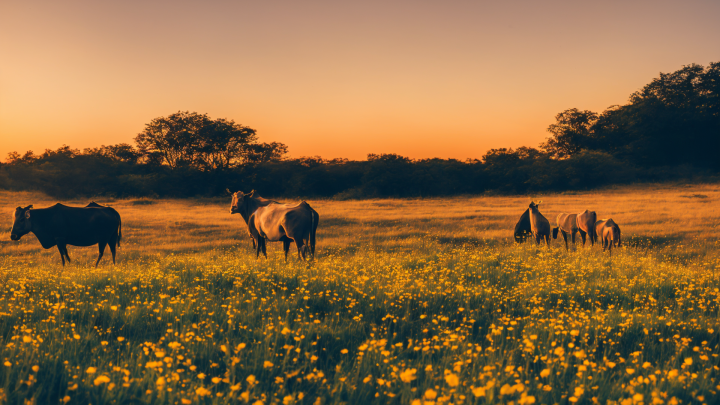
(413, 319)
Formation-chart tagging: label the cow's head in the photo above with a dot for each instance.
(21, 224)
(239, 200)
(555, 232)
(534, 206)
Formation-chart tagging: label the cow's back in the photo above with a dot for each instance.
(84, 226)
(567, 222)
(586, 221)
(277, 220)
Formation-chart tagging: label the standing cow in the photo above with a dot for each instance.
(539, 225)
(277, 222)
(61, 225)
(261, 202)
(586, 226)
(567, 224)
(609, 233)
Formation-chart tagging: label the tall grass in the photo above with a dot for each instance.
(420, 304)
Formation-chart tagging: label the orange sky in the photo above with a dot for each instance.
(423, 79)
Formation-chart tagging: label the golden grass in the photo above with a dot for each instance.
(653, 212)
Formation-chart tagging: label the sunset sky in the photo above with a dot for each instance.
(423, 79)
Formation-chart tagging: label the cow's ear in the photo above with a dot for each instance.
(251, 193)
(27, 214)
(227, 190)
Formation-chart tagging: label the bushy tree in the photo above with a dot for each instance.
(186, 139)
(570, 134)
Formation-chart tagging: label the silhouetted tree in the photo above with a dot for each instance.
(570, 134)
(122, 152)
(194, 140)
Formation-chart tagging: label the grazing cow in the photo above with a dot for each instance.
(609, 233)
(522, 228)
(61, 225)
(586, 225)
(539, 225)
(277, 222)
(567, 224)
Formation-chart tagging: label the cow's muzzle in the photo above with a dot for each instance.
(234, 210)
(14, 237)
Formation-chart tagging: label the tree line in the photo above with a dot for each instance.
(668, 130)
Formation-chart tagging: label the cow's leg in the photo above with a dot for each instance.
(256, 247)
(67, 256)
(547, 240)
(101, 248)
(62, 255)
(300, 248)
(564, 234)
(582, 235)
(286, 246)
(60, 242)
(264, 246)
(112, 250)
(573, 239)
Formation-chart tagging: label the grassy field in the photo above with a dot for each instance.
(409, 301)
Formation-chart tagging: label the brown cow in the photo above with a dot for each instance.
(263, 202)
(567, 224)
(539, 225)
(609, 233)
(586, 226)
(277, 222)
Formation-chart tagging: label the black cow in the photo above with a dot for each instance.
(61, 225)
(522, 228)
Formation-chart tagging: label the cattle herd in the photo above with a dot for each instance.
(267, 220)
(533, 224)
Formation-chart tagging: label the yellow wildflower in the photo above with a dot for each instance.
(101, 380)
(430, 394)
(452, 380)
(408, 375)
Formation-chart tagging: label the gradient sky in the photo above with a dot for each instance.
(447, 79)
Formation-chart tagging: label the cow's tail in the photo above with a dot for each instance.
(119, 230)
(314, 219)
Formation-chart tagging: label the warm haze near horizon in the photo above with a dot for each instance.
(335, 79)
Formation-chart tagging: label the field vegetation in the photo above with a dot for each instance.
(409, 301)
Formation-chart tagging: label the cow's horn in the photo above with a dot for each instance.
(228, 191)
(251, 193)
